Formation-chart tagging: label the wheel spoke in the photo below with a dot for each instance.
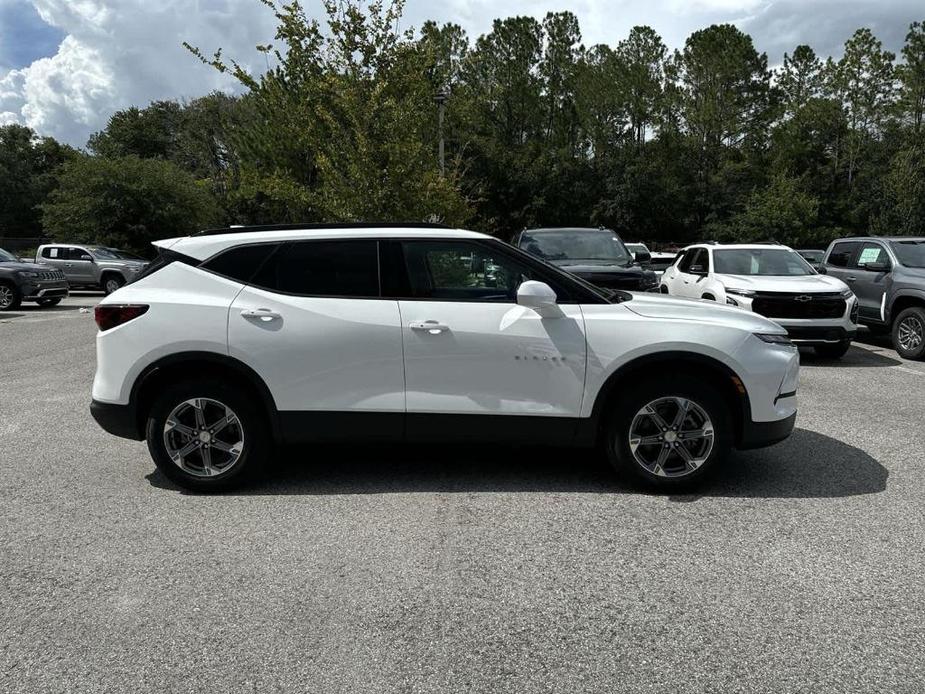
(223, 422)
(232, 448)
(190, 446)
(200, 414)
(646, 440)
(683, 408)
(685, 454)
(656, 417)
(175, 425)
(206, 453)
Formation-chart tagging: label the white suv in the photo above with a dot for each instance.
(236, 339)
(776, 282)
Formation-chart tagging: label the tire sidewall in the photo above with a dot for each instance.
(908, 354)
(623, 410)
(256, 435)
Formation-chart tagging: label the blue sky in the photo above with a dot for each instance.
(67, 65)
(24, 35)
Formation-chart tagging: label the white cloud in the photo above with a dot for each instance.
(118, 53)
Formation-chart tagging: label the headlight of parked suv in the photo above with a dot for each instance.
(774, 338)
(847, 293)
(740, 292)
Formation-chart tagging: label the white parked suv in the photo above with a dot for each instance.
(236, 339)
(776, 282)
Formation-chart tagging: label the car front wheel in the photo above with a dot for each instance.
(206, 436)
(10, 298)
(669, 433)
(111, 283)
(909, 333)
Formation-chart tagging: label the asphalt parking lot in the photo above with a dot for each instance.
(508, 570)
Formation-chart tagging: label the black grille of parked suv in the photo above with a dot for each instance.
(790, 305)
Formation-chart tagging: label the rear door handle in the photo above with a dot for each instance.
(431, 326)
(263, 314)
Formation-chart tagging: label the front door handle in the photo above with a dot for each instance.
(263, 314)
(431, 326)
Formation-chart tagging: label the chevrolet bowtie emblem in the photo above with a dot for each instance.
(804, 297)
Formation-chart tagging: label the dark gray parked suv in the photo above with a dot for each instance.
(887, 274)
(21, 281)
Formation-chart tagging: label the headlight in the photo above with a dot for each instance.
(773, 338)
(847, 293)
(740, 292)
(28, 273)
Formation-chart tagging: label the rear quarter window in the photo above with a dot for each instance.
(240, 263)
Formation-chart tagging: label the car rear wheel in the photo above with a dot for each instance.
(206, 435)
(111, 283)
(48, 302)
(10, 298)
(909, 333)
(833, 351)
(669, 433)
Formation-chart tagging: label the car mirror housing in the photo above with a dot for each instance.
(86, 257)
(642, 257)
(538, 296)
(876, 267)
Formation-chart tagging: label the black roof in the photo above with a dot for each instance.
(316, 226)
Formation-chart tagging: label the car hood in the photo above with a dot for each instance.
(806, 283)
(577, 266)
(34, 267)
(700, 310)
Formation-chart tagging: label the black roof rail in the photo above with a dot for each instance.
(317, 226)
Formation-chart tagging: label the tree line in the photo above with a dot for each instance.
(706, 141)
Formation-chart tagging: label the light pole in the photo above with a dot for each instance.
(440, 99)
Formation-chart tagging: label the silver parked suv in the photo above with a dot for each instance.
(91, 266)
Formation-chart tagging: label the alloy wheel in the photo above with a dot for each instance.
(6, 296)
(911, 333)
(203, 437)
(111, 286)
(671, 436)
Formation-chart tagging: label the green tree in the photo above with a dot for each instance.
(782, 211)
(800, 79)
(641, 57)
(344, 122)
(912, 78)
(27, 166)
(126, 202)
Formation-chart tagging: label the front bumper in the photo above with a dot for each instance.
(118, 420)
(761, 434)
(819, 334)
(33, 291)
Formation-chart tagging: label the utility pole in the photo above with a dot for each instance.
(440, 99)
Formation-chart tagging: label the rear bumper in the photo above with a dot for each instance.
(761, 434)
(118, 420)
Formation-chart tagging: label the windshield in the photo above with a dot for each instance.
(910, 253)
(812, 255)
(576, 244)
(760, 261)
(105, 254)
(6, 257)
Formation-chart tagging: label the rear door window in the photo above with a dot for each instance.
(348, 268)
(842, 253)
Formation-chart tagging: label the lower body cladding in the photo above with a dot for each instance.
(301, 427)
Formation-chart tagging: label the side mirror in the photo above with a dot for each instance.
(698, 270)
(84, 256)
(642, 257)
(539, 296)
(821, 269)
(876, 267)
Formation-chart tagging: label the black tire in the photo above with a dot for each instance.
(675, 476)
(111, 283)
(909, 333)
(10, 296)
(663, 289)
(836, 350)
(48, 302)
(251, 428)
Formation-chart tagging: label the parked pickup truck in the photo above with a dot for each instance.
(21, 281)
(96, 267)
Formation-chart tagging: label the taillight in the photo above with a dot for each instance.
(110, 315)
